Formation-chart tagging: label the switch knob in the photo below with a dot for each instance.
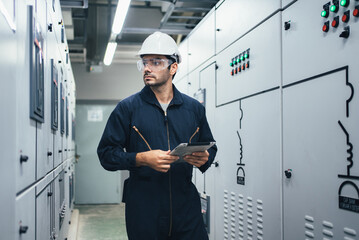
(287, 25)
(345, 33)
(23, 158)
(288, 173)
(49, 154)
(23, 229)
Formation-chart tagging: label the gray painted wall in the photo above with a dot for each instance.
(116, 82)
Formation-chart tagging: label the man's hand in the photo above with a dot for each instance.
(197, 158)
(157, 159)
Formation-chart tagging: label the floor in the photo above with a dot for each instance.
(101, 222)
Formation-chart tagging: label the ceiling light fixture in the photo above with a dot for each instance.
(120, 15)
(110, 51)
(118, 21)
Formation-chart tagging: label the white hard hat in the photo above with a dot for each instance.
(161, 44)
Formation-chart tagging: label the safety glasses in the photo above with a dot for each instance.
(155, 64)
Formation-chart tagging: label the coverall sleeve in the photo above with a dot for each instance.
(114, 140)
(206, 136)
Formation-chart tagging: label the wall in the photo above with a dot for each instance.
(116, 82)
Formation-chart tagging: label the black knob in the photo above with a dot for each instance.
(50, 27)
(23, 229)
(287, 25)
(23, 158)
(216, 164)
(288, 173)
(49, 154)
(60, 151)
(49, 194)
(60, 180)
(345, 33)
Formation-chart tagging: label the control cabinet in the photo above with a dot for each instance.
(320, 115)
(285, 119)
(33, 62)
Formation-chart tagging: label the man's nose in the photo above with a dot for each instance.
(146, 68)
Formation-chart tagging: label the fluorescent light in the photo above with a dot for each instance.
(7, 16)
(110, 51)
(120, 15)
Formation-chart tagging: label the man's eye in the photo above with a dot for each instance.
(156, 63)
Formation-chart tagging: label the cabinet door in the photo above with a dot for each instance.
(320, 130)
(201, 42)
(43, 213)
(25, 216)
(234, 18)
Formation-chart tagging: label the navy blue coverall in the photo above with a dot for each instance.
(158, 205)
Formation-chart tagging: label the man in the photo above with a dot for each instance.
(161, 200)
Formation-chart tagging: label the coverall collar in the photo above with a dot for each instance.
(148, 95)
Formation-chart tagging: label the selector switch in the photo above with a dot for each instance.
(346, 16)
(335, 22)
(345, 33)
(326, 26)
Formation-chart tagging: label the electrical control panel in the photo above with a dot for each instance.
(249, 66)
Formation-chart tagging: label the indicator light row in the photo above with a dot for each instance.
(240, 68)
(241, 57)
(327, 8)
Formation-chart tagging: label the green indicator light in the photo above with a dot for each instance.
(333, 8)
(242, 58)
(343, 2)
(237, 60)
(246, 55)
(231, 64)
(324, 13)
(234, 62)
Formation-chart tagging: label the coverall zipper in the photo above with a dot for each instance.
(169, 177)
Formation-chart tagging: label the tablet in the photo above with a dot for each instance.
(184, 149)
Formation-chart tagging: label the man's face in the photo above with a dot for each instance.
(155, 70)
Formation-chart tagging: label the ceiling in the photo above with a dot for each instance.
(88, 25)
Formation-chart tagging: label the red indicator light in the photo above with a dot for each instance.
(346, 16)
(326, 27)
(247, 65)
(243, 67)
(356, 11)
(239, 69)
(335, 22)
(235, 70)
(232, 72)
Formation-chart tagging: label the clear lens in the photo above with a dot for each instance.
(154, 64)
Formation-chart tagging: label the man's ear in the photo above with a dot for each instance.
(174, 68)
